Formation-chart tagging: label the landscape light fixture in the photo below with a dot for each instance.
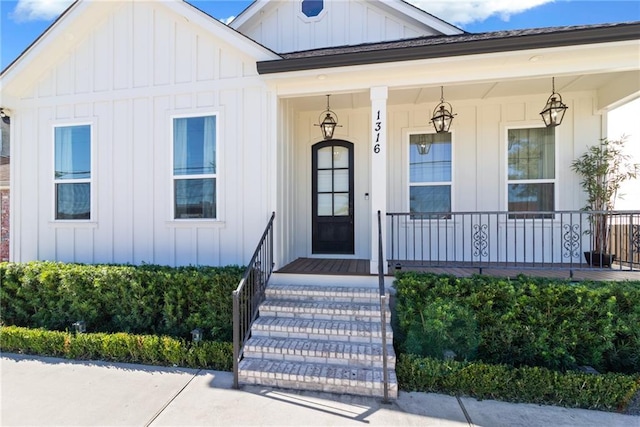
(196, 335)
(80, 327)
(554, 110)
(329, 123)
(442, 117)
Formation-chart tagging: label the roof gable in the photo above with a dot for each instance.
(83, 17)
(283, 26)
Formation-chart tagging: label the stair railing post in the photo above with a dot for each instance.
(383, 312)
(385, 372)
(236, 337)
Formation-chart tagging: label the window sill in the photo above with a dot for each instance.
(70, 223)
(200, 223)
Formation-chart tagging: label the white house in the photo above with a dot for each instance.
(149, 132)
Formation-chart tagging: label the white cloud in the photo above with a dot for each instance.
(458, 12)
(39, 10)
(228, 20)
(462, 12)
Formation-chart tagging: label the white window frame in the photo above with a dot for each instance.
(554, 181)
(172, 218)
(316, 18)
(91, 181)
(407, 138)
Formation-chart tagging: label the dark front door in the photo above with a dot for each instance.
(332, 193)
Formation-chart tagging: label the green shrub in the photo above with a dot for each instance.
(118, 347)
(528, 321)
(143, 299)
(609, 392)
(443, 325)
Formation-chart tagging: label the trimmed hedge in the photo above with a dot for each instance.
(610, 392)
(118, 347)
(521, 322)
(145, 299)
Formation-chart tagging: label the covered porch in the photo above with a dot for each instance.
(383, 113)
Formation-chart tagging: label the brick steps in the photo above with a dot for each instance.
(336, 330)
(352, 311)
(323, 338)
(317, 377)
(301, 350)
(323, 293)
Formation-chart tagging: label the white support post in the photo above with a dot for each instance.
(378, 172)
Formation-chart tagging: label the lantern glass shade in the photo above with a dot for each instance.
(328, 126)
(330, 122)
(553, 111)
(442, 118)
(422, 144)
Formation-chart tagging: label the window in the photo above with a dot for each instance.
(531, 173)
(312, 8)
(72, 172)
(194, 167)
(430, 173)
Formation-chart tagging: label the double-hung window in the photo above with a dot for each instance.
(72, 172)
(194, 167)
(531, 172)
(430, 173)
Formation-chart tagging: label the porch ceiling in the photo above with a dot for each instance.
(617, 81)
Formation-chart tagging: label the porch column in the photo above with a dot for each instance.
(378, 188)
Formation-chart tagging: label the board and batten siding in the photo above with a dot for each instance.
(283, 28)
(479, 148)
(136, 69)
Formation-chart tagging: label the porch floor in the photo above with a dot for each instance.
(360, 267)
(349, 267)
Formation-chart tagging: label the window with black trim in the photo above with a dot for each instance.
(194, 167)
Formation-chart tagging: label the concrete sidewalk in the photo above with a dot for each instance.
(46, 391)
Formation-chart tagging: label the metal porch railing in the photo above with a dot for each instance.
(498, 239)
(250, 293)
(383, 312)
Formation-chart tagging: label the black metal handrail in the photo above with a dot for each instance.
(383, 312)
(250, 293)
(521, 240)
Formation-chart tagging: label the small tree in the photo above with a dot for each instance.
(603, 168)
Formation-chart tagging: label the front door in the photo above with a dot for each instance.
(332, 194)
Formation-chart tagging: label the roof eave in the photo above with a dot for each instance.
(475, 47)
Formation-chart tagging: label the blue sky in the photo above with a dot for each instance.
(22, 21)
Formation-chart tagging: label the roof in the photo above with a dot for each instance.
(399, 6)
(453, 45)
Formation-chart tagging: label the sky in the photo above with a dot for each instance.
(22, 21)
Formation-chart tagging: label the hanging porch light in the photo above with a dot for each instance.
(554, 110)
(329, 123)
(422, 144)
(442, 118)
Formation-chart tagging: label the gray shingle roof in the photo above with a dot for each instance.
(443, 46)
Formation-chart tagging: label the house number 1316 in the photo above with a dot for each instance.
(377, 130)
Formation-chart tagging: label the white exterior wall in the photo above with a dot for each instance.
(283, 27)
(140, 66)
